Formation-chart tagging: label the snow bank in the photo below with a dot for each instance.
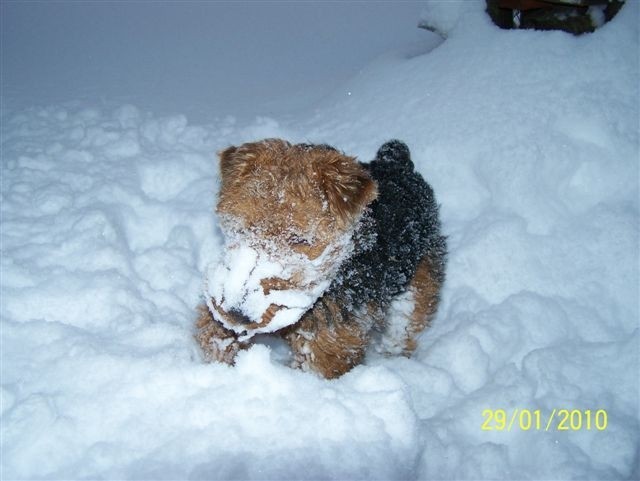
(530, 140)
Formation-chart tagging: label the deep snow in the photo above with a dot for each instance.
(530, 141)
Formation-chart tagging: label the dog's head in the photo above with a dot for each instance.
(288, 213)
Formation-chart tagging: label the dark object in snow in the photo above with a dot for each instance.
(573, 16)
(329, 253)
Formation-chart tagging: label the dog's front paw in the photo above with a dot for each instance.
(303, 356)
(222, 350)
(217, 343)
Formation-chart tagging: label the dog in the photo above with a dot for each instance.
(331, 254)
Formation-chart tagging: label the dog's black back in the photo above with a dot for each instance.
(401, 228)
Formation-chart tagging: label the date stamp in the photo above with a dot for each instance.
(536, 420)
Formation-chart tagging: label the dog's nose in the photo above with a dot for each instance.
(239, 317)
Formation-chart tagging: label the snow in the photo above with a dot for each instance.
(208, 60)
(530, 141)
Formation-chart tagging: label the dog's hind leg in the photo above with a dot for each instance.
(412, 311)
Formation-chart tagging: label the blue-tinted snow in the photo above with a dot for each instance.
(530, 141)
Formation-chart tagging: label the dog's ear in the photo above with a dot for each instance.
(231, 163)
(236, 161)
(347, 186)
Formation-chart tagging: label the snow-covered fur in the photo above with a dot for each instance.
(323, 250)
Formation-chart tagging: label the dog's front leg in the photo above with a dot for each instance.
(217, 342)
(327, 340)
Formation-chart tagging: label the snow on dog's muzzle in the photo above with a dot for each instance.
(254, 289)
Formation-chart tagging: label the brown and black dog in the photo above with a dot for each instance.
(327, 252)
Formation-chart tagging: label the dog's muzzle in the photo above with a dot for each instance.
(256, 290)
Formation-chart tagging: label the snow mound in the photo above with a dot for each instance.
(530, 141)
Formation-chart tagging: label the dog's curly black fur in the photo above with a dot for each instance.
(401, 228)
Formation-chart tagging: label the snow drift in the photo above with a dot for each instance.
(530, 141)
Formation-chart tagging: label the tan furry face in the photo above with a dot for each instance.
(288, 213)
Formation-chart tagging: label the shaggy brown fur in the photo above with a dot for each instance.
(425, 288)
(261, 180)
(325, 341)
